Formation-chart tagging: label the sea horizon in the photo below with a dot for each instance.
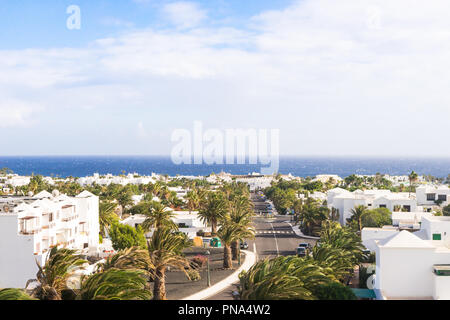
(302, 166)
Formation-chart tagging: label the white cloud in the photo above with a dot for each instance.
(347, 77)
(184, 14)
(15, 113)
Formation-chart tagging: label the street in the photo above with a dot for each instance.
(274, 237)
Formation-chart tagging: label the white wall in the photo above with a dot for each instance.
(17, 263)
(405, 272)
(441, 287)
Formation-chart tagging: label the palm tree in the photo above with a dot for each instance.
(241, 212)
(114, 284)
(14, 294)
(164, 250)
(213, 209)
(282, 278)
(336, 262)
(357, 213)
(52, 277)
(312, 215)
(335, 236)
(193, 200)
(131, 258)
(228, 233)
(413, 176)
(158, 216)
(107, 216)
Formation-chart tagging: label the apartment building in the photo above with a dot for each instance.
(30, 226)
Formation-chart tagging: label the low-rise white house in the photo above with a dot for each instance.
(188, 223)
(428, 195)
(324, 178)
(256, 182)
(415, 265)
(344, 201)
(30, 226)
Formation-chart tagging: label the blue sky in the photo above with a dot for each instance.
(41, 24)
(337, 78)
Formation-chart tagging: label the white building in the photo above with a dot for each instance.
(188, 223)
(256, 182)
(415, 265)
(345, 201)
(427, 195)
(324, 178)
(30, 226)
(104, 180)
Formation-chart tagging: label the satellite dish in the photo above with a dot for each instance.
(55, 193)
(30, 193)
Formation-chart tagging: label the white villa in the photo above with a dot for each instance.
(414, 265)
(427, 195)
(345, 201)
(324, 178)
(30, 226)
(108, 179)
(256, 182)
(188, 223)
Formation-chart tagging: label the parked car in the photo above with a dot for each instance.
(305, 245)
(244, 245)
(301, 252)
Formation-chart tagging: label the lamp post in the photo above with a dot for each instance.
(208, 274)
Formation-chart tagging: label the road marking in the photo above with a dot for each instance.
(273, 232)
(276, 241)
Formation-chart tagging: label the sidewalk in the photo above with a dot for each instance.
(250, 260)
(299, 233)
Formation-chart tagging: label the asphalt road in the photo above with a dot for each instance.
(274, 237)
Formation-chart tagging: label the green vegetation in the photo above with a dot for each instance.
(124, 236)
(334, 291)
(322, 275)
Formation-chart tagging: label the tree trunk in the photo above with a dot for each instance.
(159, 286)
(227, 263)
(235, 250)
(213, 227)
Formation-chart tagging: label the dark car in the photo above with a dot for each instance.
(305, 245)
(244, 245)
(301, 252)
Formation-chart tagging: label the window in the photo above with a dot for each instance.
(436, 236)
(407, 208)
(431, 196)
(383, 206)
(442, 197)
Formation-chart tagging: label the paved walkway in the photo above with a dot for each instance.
(299, 233)
(249, 261)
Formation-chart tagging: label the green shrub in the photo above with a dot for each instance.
(334, 291)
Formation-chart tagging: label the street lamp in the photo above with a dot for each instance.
(208, 274)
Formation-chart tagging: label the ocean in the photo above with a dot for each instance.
(78, 166)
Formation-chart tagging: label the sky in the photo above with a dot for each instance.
(337, 78)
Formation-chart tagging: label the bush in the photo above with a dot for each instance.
(334, 291)
(200, 261)
(193, 275)
(124, 236)
(446, 211)
(200, 233)
(376, 218)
